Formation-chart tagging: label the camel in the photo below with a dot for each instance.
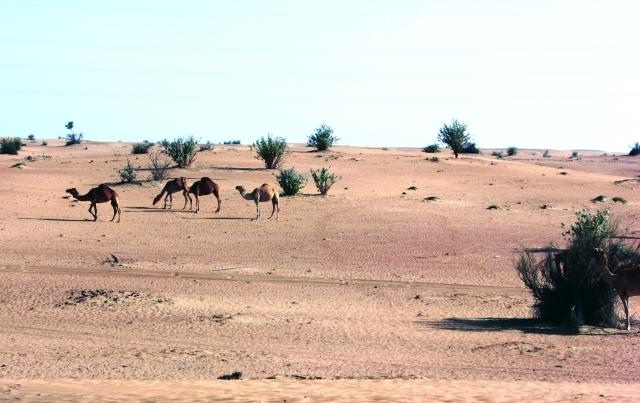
(101, 194)
(203, 187)
(626, 283)
(264, 193)
(172, 187)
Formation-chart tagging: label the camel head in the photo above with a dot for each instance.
(240, 189)
(600, 256)
(73, 192)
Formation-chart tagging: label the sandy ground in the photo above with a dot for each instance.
(372, 293)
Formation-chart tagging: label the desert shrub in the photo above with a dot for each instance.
(73, 138)
(469, 147)
(567, 287)
(128, 173)
(272, 150)
(546, 154)
(140, 148)
(635, 149)
(618, 199)
(158, 165)
(291, 181)
(10, 145)
(454, 136)
(165, 145)
(511, 151)
(45, 142)
(433, 148)
(498, 154)
(575, 154)
(182, 151)
(32, 137)
(208, 146)
(322, 139)
(324, 179)
(232, 142)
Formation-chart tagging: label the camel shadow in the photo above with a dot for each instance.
(529, 326)
(144, 209)
(57, 219)
(216, 218)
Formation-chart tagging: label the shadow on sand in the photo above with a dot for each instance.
(57, 219)
(532, 326)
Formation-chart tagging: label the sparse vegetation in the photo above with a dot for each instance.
(324, 179)
(385, 149)
(128, 173)
(208, 146)
(546, 154)
(432, 198)
(575, 154)
(635, 149)
(10, 145)
(291, 181)
(619, 200)
(140, 148)
(567, 287)
(182, 151)
(322, 139)
(511, 151)
(272, 150)
(73, 138)
(564, 173)
(32, 137)
(432, 148)
(599, 199)
(454, 136)
(412, 188)
(45, 142)
(159, 165)
(497, 154)
(493, 207)
(232, 142)
(469, 148)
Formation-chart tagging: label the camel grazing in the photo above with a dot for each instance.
(264, 193)
(626, 283)
(203, 187)
(173, 186)
(101, 194)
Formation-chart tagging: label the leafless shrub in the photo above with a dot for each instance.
(159, 165)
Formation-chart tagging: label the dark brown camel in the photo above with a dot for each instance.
(626, 283)
(101, 194)
(203, 187)
(173, 186)
(264, 193)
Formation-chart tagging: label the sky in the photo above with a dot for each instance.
(530, 74)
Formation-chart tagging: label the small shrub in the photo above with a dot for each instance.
(159, 165)
(432, 198)
(635, 149)
(469, 148)
(10, 145)
(322, 139)
(511, 151)
(165, 145)
(599, 199)
(385, 149)
(291, 181)
(619, 199)
(546, 154)
(575, 154)
(182, 151)
(272, 150)
(433, 148)
(324, 179)
(32, 137)
(45, 142)
(128, 173)
(564, 173)
(73, 138)
(497, 154)
(140, 148)
(232, 142)
(494, 207)
(412, 188)
(206, 146)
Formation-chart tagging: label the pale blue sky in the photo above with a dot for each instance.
(539, 74)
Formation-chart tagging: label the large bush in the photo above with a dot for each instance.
(140, 148)
(291, 181)
(10, 145)
(567, 286)
(182, 151)
(272, 150)
(454, 136)
(511, 151)
(324, 179)
(469, 147)
(635, 149)
(433, 148)
(322, 139)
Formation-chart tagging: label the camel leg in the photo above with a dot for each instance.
(276, 206)
(95, 216)
(186, 194)
(116, 208)
(257, 210)
(170, 200)
(625, 305)
(197, 202)
(219, 203)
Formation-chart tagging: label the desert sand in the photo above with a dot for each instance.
(372, 293)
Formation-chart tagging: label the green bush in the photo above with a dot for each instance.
(635, 149)
(73, 138)
(128, 173)
(273, 151)
(291, 181)
(324, 179)
(575, 154)
(32, 137)
(454, 136)
(433, 148)
(511, 151)
(498, 154)
(322, 139)
(567, 286)
(140, 148)
(232, 142)
(182, 151)
(10, 145)
(469, 148)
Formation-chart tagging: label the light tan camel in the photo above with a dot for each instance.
(626, 283)
(173, 186)
(203, 187)
(101, 194)
(264, 193)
